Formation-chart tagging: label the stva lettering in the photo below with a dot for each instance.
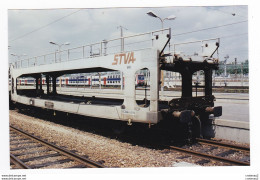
(124, 58)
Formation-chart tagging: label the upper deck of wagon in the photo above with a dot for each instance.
(128, 55)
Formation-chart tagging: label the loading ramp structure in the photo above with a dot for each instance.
(128, 55)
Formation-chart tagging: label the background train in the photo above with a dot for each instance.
(86, 80)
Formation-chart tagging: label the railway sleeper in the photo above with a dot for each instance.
(226, 153)
(77, 166)
(202, 162)
(24, 142)
(41, 157)
(26, 147)
(32, 152)
(17, 140)
(37, 166)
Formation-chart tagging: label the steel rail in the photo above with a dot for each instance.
(87, 162)
(204, 155)
(221, 144)
(18, 162)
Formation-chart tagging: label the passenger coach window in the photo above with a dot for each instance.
(142, 86)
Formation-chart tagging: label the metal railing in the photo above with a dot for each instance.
(192, 47)
(103, 48)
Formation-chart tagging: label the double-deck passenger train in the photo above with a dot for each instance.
(85, 80)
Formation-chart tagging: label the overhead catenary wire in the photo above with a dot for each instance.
(210, 28)
(234, 53)
(234, 35)
(26, 34)
(233, 13)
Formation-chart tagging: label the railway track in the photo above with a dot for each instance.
(30, 152)
(210, 150)
(221, 144)
(200, 152)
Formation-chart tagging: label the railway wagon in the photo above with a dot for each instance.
(132, 105)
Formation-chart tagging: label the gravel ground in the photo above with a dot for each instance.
(111, 152)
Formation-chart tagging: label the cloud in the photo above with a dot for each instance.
(94, 25)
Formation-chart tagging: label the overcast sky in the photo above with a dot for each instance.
(29, 31)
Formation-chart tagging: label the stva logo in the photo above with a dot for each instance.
(124, 58)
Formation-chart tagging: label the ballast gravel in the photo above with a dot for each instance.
(111, 152)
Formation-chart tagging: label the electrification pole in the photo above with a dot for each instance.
(122, 35)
